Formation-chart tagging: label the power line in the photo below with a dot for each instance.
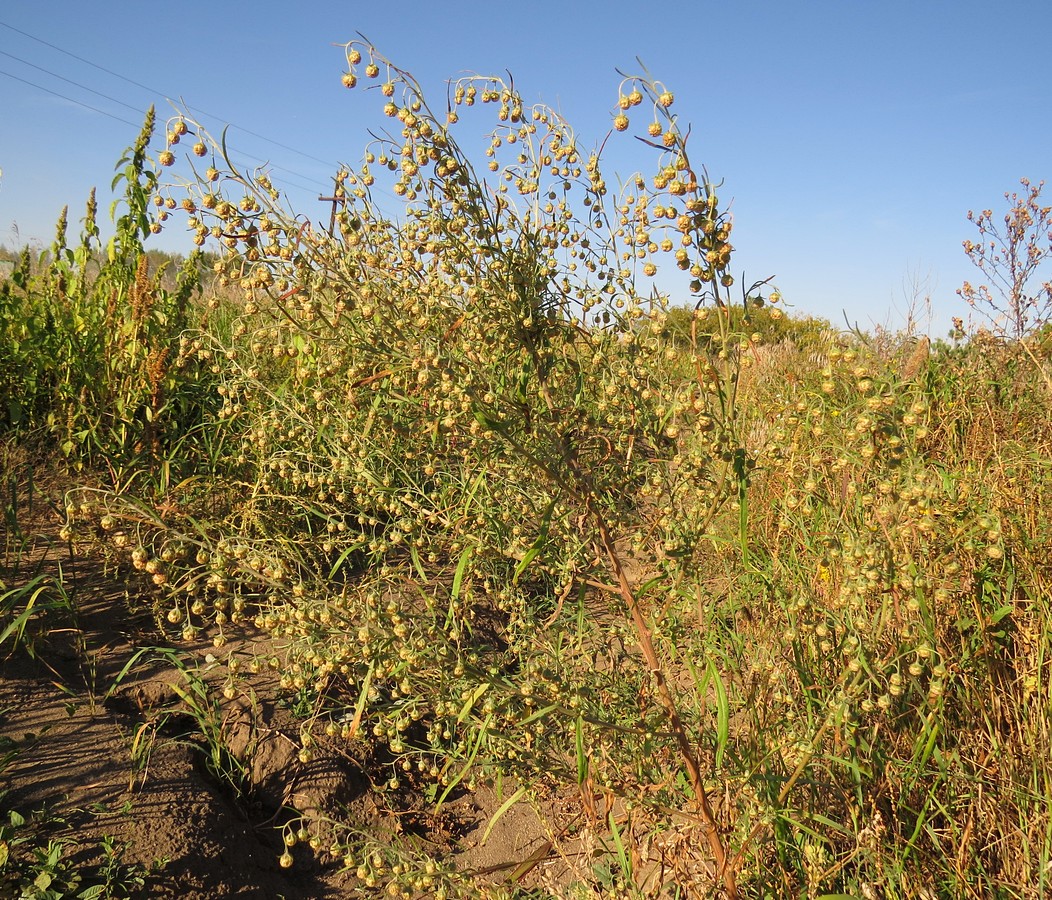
(150, 90)
(40, 87)
(307, 184)
(26, 62)
(80, 58)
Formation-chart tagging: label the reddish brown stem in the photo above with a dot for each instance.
(686, 751)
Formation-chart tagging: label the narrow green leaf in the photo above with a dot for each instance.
(623, 858)
(343, 557)
(479, 740)
(415, 556)
(723, 713)
(932, 729)
(538, 544)
(469, 704)
(503, 808)
(539, 714)
(458, 576)
(527, 558)
(363, 696)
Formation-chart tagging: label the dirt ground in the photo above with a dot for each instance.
(129, 762)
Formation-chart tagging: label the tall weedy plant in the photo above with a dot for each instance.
(92, 336)
(1011, 256)
(474, 389)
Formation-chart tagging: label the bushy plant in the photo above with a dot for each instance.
(762, 322)
(451, 425)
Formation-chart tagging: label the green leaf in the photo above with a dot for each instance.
(540, 714)
(503, 808)
(344, 556)
(623, 858)
(469, 704)
(582, 756)
(723, 713)
(538, 544)
(1005, 610)
(932, 728)
(415, 556)
(480, 738)
(458, 578)
(363, 697)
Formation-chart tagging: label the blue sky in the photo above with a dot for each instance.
(853, 136)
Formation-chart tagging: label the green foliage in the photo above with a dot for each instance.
(89, 340)
(199, 702)
(34, 865)
(27, 611)
(755, 321)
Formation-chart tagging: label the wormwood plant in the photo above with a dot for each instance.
(460, 445)
(1011, 257)
(765, 613)
(907, 603)
(771, 616)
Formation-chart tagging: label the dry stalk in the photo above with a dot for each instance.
(586, 491)
(709, 829)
